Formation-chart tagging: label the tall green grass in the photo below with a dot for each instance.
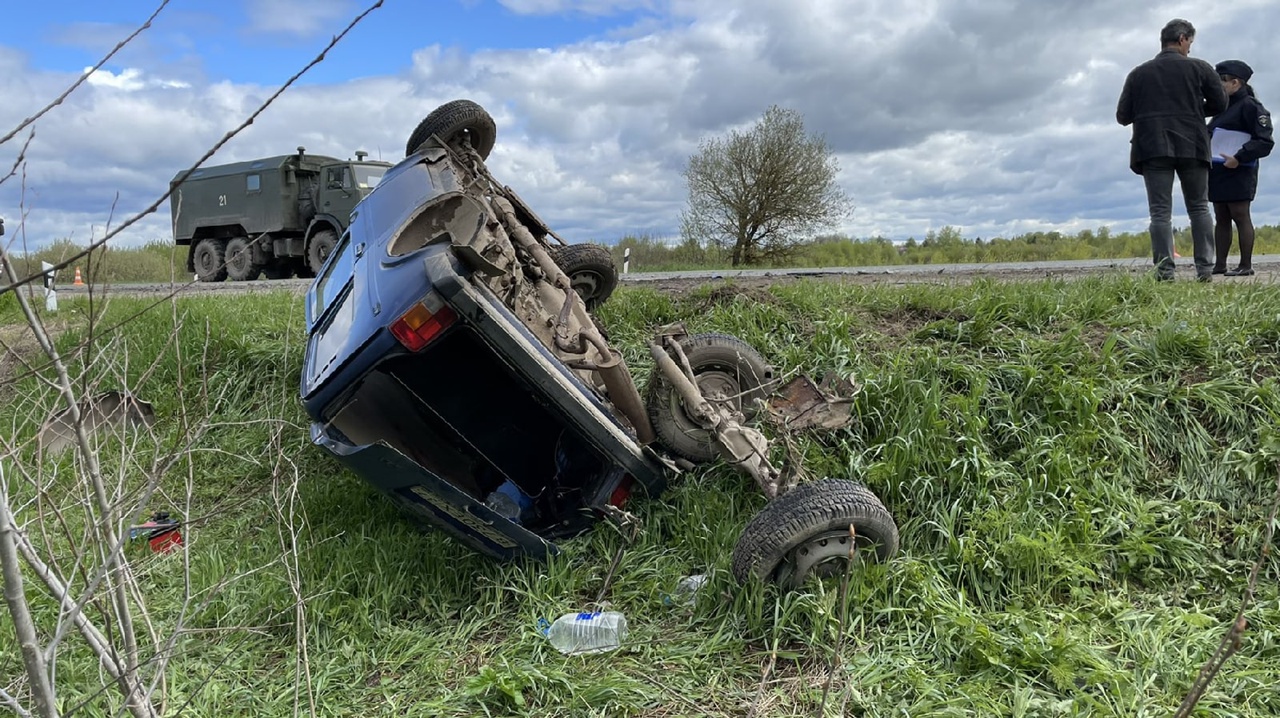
(1080, 471)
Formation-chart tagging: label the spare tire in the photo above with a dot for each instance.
(590, 270)
(450, 120)
(728, 371)
(805, 532)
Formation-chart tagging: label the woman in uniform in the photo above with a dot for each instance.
(1240, 136)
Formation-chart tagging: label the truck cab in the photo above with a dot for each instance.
(343, 185)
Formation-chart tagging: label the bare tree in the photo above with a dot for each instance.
(761, 192)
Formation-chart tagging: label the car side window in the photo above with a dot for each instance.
(335, 273)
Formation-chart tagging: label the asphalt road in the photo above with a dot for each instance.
(1267, 267)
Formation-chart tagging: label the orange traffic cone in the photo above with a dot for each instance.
(79, 282)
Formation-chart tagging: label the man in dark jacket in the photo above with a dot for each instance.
(1167, 99)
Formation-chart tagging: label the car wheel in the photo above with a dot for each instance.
(728, 371)
(451, 119)
(805, 533)
(239, 257)
(590, 270)
(209, 259)
(321, 245)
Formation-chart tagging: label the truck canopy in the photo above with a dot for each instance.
(311, 163)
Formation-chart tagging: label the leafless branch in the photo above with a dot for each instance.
(22, 156)
(15, 597)
(1231, 640)
(844, 619)
(12, 703)
(59, 100)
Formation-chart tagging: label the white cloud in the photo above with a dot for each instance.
(590, 7)
(129, 79)
(302, 18)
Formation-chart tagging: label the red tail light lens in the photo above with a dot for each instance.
(423, 322)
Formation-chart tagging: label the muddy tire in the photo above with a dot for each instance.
(209, 259)
(318, 250)
(239, 257)
(590, 269)
(450, 120)
(805, 533)
(727, 369)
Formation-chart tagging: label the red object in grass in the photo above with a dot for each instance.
(165, 541)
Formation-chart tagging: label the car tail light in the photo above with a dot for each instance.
(621, 492)
(423, 322)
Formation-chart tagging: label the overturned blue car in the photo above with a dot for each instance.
(453, 361)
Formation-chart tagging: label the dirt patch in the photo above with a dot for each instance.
(906, 321)
(730, 293)
(18, 350)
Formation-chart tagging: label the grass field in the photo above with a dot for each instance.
(1080, 471)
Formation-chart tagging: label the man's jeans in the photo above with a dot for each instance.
(1193, 176)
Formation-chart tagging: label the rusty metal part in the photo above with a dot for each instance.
(609, 364)
(801, 404)
(743, 447)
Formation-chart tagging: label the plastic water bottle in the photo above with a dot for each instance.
(576, 634)
(687, 590)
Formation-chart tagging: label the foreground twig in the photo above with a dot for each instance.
(32, 657)
(844, 618)
(1231, 640)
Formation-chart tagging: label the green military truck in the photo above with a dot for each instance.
(277, 216)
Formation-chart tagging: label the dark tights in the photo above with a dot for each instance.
(1224, 214)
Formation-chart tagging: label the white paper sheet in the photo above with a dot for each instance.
(1227, 142)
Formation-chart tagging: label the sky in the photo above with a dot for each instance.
(994, 117)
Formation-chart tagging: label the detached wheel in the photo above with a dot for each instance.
(321, 245)
(591, 271)
(239, 257)
(805, 533)
(209, 259)
(728, 370)
(452, 119)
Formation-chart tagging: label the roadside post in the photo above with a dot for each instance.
(50, 293)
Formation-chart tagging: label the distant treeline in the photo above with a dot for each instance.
(650, 254)
(160, 261)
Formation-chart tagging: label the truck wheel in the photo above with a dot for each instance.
(805, 532)
(240, 264)
(208, 257)
(321, 245)
(590, 269)
(728, 371)
(452, 118)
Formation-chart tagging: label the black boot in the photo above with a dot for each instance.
(1241, 272)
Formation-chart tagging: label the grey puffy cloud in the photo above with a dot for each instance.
(996, 117)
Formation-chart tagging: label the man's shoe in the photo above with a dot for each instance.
(1241, 272)
(1206, 278)
(1219, 270)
